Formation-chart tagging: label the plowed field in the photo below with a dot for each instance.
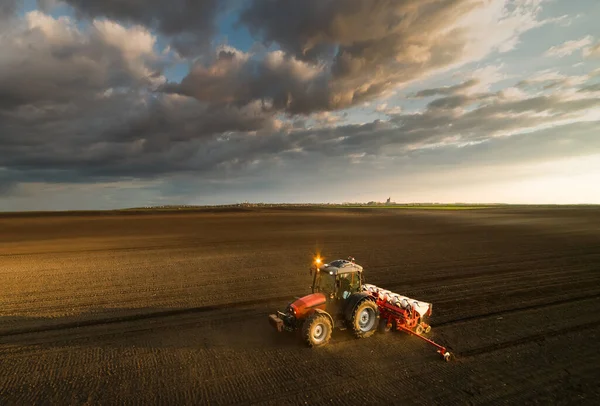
(171, 308)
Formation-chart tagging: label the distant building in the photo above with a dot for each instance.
(388, 201)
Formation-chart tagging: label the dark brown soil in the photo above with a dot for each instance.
(172, 308)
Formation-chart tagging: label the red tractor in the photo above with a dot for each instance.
(341, 298)
(337, 300)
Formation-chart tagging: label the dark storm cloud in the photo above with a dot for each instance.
(189, 120)
(277, 80)
(190, 23)
(366, 47)
(78, 104)
(151, 139)
(339, 53)
(376, 28)
(411, 132)
(176, 135)
(89, 103)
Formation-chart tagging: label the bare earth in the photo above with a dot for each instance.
(172, 308)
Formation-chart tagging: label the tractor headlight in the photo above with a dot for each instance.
(291, 310)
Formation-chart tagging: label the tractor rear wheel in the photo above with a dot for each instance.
(365, 319)
(316, 330)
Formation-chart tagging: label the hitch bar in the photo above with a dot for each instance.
(441, 349)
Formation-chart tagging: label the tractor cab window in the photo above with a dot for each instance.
(324, 283)
(345, 283)
(355, 282)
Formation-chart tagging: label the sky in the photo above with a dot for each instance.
(128, 103)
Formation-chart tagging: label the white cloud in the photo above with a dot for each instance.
(59, 31)
(513, 93)
(486, 77)
(502, 22)
(134, 42)
(136, 45)
(381, 107)
(47, 58)
(554, 82)
(593, 51)
(568, 47)
(325, 119)
(387, 109)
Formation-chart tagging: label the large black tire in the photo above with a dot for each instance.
(365, 319)
(316, 330)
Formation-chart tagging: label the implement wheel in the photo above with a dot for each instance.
(447, 356)
(316, 330)
(365, 319)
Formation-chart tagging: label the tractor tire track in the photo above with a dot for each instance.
(503, 312)
(526, 340)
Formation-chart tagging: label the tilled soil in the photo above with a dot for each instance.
(172, 308)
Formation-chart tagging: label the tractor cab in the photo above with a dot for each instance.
(337, 279)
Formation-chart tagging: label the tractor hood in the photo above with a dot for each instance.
(308, 303)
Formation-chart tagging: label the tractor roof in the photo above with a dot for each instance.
(341, 266)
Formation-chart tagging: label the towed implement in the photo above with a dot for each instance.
(341, 298)
(399, 312)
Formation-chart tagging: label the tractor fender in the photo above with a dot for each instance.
(326, 314)
(354, 300)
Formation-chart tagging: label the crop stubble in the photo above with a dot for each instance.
(171, 308)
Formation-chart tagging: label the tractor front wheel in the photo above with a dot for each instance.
(365, 319)
(316, 330)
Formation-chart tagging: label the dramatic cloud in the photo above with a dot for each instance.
(79, 101)
(171, 134)
(278, 81)
(567, 48)
(364, 48)
(190, 24)
(457, 120)
(47, 60)
(98, 96)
